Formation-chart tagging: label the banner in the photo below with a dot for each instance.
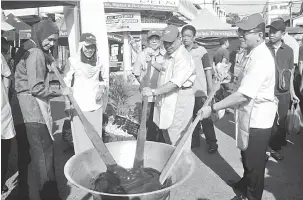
(217, 33)
(159, 5)
(120, 22)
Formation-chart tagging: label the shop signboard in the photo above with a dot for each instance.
(24, 34)
(115, 37)
(123, 21)
(159, 5)
(217, 33)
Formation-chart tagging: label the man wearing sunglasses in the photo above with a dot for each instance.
(255, 108)
(174, 95)
(284, 89)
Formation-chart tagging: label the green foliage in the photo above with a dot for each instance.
(232, 18)
(120, 90)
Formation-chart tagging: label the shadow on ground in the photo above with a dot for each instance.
(216, 163)
(284, 179)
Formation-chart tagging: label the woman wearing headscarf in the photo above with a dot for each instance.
(32, 117)
(86, 76)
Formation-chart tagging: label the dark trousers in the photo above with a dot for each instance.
(5, 149)
(36, 163)
(153, 132)
(254, 160)
(278, 134)
(207, 125)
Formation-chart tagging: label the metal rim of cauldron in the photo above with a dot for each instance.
(167, 189)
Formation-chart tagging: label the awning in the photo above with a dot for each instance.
(21, 31)
(8, 4)
(209, 25)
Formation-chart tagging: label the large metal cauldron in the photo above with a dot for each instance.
(81, 170)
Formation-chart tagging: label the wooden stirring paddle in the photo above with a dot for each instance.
(180, 146)
(141, 138)
(93, 135)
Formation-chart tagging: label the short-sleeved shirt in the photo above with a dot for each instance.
(141, 61)
(220, 54)
(293, 43)
(258, 83)
(7, 124)
(202, 63)
(284, 57)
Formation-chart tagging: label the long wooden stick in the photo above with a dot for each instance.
(89, 129)
(180, 147)
(139, 156)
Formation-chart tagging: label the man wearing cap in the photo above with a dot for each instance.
(174, 95)
(291, 42)
(155, 55)
(7, 125)
(284, 89)
(255, 105)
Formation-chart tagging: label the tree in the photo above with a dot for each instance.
(232, 18)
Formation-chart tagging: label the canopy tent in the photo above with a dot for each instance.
(8, 4)
(210, 29)
(209, 25)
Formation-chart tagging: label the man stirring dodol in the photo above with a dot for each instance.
(175, 99)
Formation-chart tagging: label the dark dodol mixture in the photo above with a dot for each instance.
(133, 181)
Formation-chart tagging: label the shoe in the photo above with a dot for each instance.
(4, 189)
(212, 148)
(276, 155)
(241, 197)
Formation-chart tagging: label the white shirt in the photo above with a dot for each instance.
(180, 70)
(258, 83)
(86, 83)
(7, 124)
(293, 43)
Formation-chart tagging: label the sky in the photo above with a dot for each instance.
(252, 6)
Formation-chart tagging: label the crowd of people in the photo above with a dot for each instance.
(261, 80)
(263, 76)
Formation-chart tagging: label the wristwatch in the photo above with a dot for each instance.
(153, 92)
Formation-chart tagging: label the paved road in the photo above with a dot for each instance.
(284, 180)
